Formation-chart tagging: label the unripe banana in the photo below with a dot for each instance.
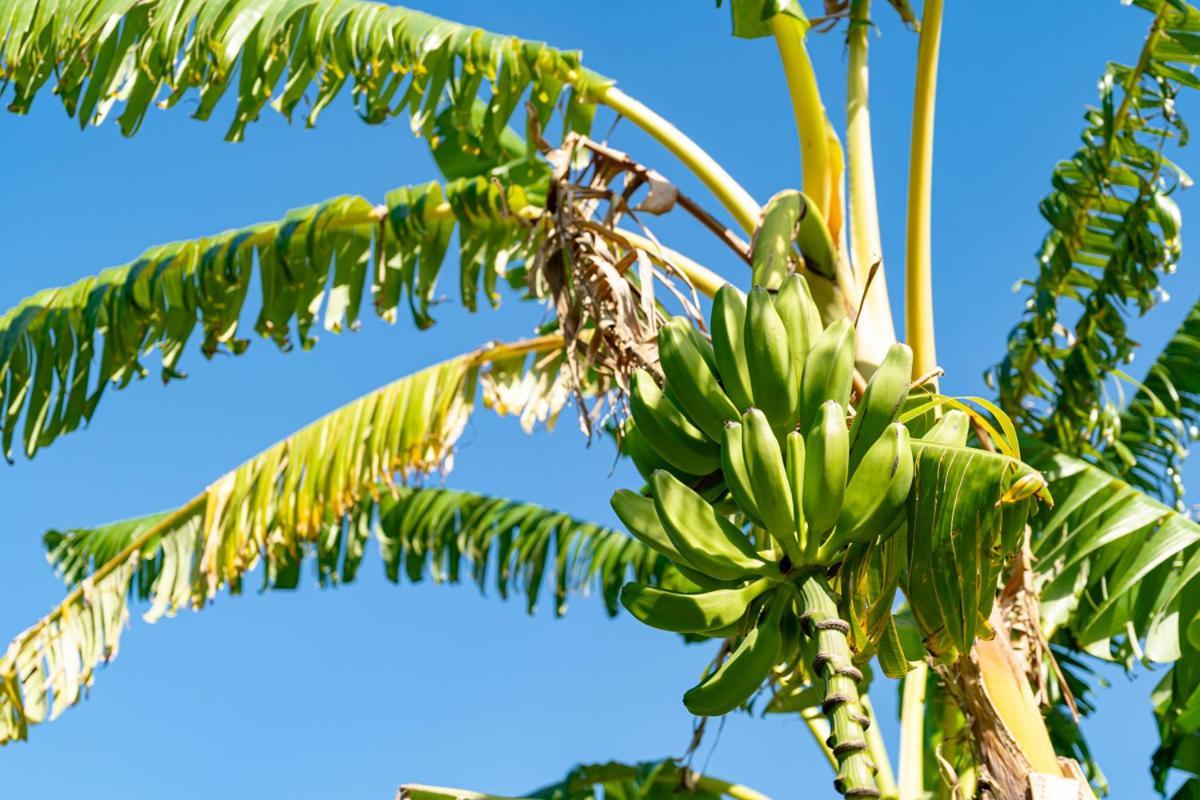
(639, 451)
(951, 430)
(826, 467)
(768, 356)
(794, 457)
(680, 443)
(768, 477)
(736, 474)
(816, 245)
(881, 402)
(800, 316)
(877, 493)
(829, 371)
(706, 540)
(680, 612)
(770, 248)
(736, 680)
(728, 323)
(693, 385)
(641, 520)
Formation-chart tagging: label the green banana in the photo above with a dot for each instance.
(816, 245)
(829, 371)
(706, 540)
(801, 318)
(768, 356)
(680, 443)
(952, 429)
(737, 476)
(736, 680)
(693, 385)
(881, 402)
(877, 493)
(770, 248)
(788, 217)
(826, 466)
(643, 456)
(768, 476)
(640, 518)
(794, 457)
(728, 321)
(681, 612)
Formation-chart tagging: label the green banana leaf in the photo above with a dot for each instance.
(1114, 233)
(1159, 423)
(278, 53)
(966, 516)
(313, 491)
(61, 348)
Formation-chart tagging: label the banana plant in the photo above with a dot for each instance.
(811, 502)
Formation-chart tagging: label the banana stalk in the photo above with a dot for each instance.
(918, 249)
(812, 123)
(842, 704)
(912, 739)
(737, 201)
(876, 328)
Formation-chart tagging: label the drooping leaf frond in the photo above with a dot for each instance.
(281, 52)
(1117, 576)
(445, 535)
(1114, 233)
(303, 489)
(1113, 561)
(61, 348)
(1160, 421)
(652, 780)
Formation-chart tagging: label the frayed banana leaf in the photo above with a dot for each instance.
(1115, 232)
(1159, 424)
(654, 780)
(1114, 562)
(445, 535)
(61, 348)
(129, 54)
(311, 490)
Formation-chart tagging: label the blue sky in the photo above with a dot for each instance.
(348, 693)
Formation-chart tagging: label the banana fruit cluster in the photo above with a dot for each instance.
(761, 477)
(755, 423)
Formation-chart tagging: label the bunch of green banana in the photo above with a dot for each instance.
(763, 409)
(764, 471)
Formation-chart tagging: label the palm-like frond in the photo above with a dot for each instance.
(1114, 561)
(279, 52)
(302, 490)
(446, 535)
(1118, 576)
(1114, 233)
(61, 348)
(1161, 420)
(652, 780)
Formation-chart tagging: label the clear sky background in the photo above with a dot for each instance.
(350, 692)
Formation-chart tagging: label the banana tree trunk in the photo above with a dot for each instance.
(1017, 758)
